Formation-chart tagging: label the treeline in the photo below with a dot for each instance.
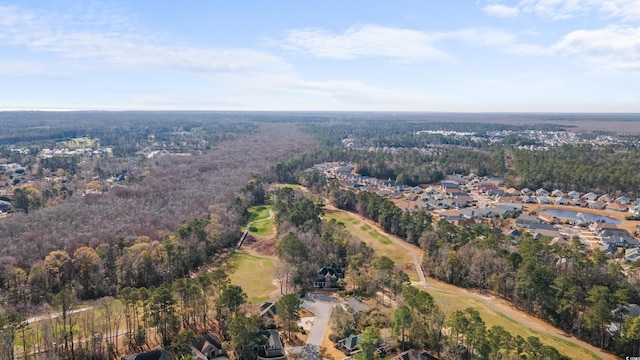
(609, 169)
(403, 131)
(405, 224)
(408, 166)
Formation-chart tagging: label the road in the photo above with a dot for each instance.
(320, 305)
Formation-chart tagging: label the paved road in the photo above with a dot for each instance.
(320, 305)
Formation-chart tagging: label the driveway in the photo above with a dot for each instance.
(320, 305)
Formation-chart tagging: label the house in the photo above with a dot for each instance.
(416, 190)
(268, 346)
(396, 195)
(350, 344)
(554, 234)
(537, 227)
(590, 196)
(526, 191)
(526, 199)
(614, 206)
(573, 195)
(579, 202)
(484, 187)
(431, 191)
(207, 347)
(412, 197)
(597, 226)
(451, 216)
(557, 193)
(620, 314)
(4, 206)
(632, 255)
(561, 201)
(622, 200)
(545, 216)
(150, 355)
(525, 221)
(268, 310)
(542, 192)
(327, 277)
(414, 354)
(617, 237)
(456, 178)
(515, 233)
(605, 198)
(544, 200)
(447, 185)
(599, 205)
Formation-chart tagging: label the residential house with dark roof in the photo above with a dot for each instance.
(327, 277)
(525, 221)
(268, 346)
(617, 237)
(542, 192)
(150, 355)
(207, 347)
(414, 354)
(350, 344)
(268, 310)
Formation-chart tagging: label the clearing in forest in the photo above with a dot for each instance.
(260, 221)
(254, 274)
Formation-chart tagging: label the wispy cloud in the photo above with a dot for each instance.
(364, 41)
(627, 10)
(376, 41)
(499, 10)
(110, 40)
(614, 48)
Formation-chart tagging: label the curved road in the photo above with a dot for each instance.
(489, 303)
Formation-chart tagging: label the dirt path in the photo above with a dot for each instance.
(498, 305)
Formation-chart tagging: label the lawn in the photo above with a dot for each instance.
(376, 239)
(254, 274)
(261, 224)
(80, 142)
(452, 302)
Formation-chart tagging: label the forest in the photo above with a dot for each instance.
(140, 240)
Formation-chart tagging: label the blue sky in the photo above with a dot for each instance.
(422, 55)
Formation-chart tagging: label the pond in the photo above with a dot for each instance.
(586, 216)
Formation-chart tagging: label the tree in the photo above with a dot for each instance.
(401, 320)
(86, 261)
(241, 331)
(368, 343)
(287, 309)
(292, 249)
(163, 313)
(231, 299)
(181, 343)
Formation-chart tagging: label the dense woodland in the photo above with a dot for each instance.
(138, 240)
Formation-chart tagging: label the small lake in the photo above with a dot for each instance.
(588, 217)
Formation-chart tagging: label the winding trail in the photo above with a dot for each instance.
(499, 306)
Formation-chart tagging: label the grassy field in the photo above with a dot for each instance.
(81, 142)
(254, 274)
(262, 225)
(376, 239)
(452, 302)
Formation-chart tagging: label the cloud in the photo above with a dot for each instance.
(364, 41)
(376, 41)
(627, 10)
(105, 37)
(502, 11)
(614, 48)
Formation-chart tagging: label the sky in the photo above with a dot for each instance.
(329, 55)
